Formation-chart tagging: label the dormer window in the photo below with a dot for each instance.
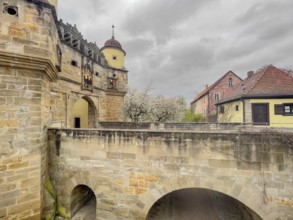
(230, 82)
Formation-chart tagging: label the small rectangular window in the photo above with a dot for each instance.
(237, 108)
(222, 109)
(112, 83)
(288, 109)
(279, 109)
(230, 82)
(217, 97)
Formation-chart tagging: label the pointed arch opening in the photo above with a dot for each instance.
(198, 203)
(83, 113)
(83, 203)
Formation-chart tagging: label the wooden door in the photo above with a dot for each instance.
(260, 114)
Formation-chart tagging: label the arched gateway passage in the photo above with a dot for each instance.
(83, 203)
(83, 114)
(202, 204)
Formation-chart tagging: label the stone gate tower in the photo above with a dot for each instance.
(28, 61)
(46, 67)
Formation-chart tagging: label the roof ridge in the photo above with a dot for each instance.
(258, 79)
(205, 91)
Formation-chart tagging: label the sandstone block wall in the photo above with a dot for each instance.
(129, 170)
(24, 118)
(28, 39)
(31, 31)
(35, 96)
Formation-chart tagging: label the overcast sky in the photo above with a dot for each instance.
(179, 46)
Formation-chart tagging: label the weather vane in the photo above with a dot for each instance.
(113, 30)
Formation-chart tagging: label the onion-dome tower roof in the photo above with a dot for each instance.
(113, 42)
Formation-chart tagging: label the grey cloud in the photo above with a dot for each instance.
(159, 17)
(265, 10)
(268, 21)
(139, 45)
(195, 55)
(77, 14)
(232, 53)
(179, 46)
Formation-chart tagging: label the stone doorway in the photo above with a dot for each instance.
(189, 204)
(84, 110)
(83, 203)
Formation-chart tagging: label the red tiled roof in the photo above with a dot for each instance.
(268, 82)
(204, 92)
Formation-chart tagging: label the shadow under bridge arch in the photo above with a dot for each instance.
(199, 203)
(83, 203)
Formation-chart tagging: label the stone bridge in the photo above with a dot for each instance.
(174, 171)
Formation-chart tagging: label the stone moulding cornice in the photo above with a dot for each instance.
(115, 93)
(29, 63)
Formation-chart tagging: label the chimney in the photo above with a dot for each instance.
(250, 74)
(207, 86)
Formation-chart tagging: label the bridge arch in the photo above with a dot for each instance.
(199, 203)
(249, 194)
(83, 113)
(83, 202)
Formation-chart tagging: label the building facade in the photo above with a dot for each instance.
(263, 98)
(204, 102)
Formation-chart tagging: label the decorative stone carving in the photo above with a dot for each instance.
(87, 78)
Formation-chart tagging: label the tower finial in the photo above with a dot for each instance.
(113, 31)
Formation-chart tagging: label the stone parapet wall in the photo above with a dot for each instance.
(129, 170)
(201, 126)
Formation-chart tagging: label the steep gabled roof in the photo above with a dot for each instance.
(269, 82)
(206, 91)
